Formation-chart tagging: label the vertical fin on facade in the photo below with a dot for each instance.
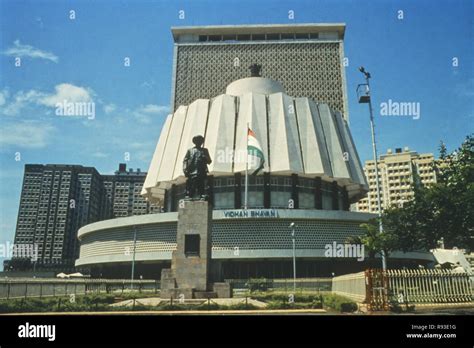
(220, 134)
(284, 135)
(156, 162)
(195, 124)
(172, 145)
(336, 151)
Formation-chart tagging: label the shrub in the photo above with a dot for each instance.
(239, 306)
(96, 299)
(208, 306)
(57, 304)
(172, 307)
(339, 303)
(348, 307)
(284, 297)
(258, 284)
(295, 305)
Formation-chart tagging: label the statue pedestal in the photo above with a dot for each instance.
(189, 273)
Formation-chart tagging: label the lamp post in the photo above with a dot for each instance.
(365, 97)
(292, 226)
(133, 257)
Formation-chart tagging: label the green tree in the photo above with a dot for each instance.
(375, 241)
(453, 196)
(442, 210)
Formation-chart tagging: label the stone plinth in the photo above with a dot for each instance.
(222, 290)
(189, 271)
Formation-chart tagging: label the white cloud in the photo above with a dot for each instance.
(144, 114)
(28, 134)
(20, 50)
(143, 119)
(68, 92)
(100, 154)
(4, 96)
(144, 156)
(63, 91)
(20, 100)
(147, 84)
(153, 109)
(109, 108)
(39, 20)
(140, 145)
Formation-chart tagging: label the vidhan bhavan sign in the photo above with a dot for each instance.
(251, 213)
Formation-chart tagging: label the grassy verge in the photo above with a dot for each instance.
(305, 300)
(102, 302)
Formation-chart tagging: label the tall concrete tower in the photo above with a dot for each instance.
(306, 58)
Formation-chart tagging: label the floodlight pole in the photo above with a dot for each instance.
(374, 150)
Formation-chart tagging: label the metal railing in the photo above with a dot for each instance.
(429, 286)
(377, 287)
(43, 287)
(284, 285)
(352, 286)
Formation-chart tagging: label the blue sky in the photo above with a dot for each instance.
(410, 59)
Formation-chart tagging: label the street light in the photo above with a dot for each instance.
(133, 257)
(363, 92)
(293, 226)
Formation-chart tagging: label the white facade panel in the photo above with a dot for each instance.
(323, 147)
(340, 168)
(172, 145)
(357, 173)
(285, 157)
(195, 124)
(220, 134)
(310, 148)
(152, 176)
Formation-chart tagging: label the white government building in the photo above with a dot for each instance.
(312, 174)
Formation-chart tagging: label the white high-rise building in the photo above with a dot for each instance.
(397, 172)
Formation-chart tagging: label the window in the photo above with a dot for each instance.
(229, 37)
(244, 37)
(273, 36)
(301, 36)
(287, 36)
(215, 38)
(191, 244)
(258, 37)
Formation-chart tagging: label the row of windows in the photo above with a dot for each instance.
(261, 37)
(274, 181)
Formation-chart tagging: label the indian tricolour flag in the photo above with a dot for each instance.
(255, 157)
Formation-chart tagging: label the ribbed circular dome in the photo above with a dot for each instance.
(297, 135)
(257, 85)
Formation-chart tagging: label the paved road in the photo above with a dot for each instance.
(219, 312)
(446, 311)
(419, 311)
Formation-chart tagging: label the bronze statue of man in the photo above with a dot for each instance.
(195, 169)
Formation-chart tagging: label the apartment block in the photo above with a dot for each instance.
(397, 172)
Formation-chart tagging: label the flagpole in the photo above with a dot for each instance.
(246, 168)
